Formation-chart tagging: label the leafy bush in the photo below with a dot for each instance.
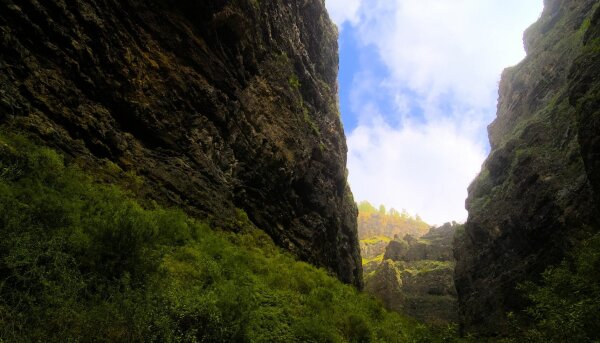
(82, 261)
(566, 303)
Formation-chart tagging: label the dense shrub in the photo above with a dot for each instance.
(82, 261)
(565, 305)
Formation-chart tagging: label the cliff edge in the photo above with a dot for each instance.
(537, 193)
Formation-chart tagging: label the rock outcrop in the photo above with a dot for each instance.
(436, 245)
(217, 105)
(537, 193)
(373, 247)
(416, 277)
(372, 251)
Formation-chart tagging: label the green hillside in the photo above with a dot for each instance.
(82, 261)
(380, 222)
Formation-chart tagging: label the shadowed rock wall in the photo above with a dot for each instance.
(216, 104)
(537, 193)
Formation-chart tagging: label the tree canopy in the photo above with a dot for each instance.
(374, 222)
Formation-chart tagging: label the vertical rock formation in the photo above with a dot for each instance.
(216, 104)
(416, 276)
(377, 227)
(537, 193)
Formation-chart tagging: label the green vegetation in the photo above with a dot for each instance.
(283, 62)
(566, 303)
(294, 81)
(308, 120)
(378, 258)
(379, 222)
(82, 261)
(585, 25)
(376, 239)
(426, 266)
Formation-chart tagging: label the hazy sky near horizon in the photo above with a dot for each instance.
(418, 86)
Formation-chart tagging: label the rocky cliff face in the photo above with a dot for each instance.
(537, 193)
(416, 277)
(216, 104)
(372, 251)
(436, 245)
(370, 248)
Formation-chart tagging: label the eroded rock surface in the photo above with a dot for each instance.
(436, 245)
(416, 277)
(216, 104)
(537, 193)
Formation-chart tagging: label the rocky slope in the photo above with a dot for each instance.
(537, 193)
(216, 104)
(416, 277)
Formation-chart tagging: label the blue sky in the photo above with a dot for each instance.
(418, 86)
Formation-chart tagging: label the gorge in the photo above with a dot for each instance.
(176, 172)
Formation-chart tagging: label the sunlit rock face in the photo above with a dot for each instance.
(416, 277)
(436, 245)
(537, 193)
(377, 227)
(216, 104)
(373, 249)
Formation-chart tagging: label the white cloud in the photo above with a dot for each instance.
(441, 47)
(342, 11)
(421, 134)
(423, 168)
(423, 171)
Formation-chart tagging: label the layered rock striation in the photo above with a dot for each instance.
(537, 193)
(217, 106)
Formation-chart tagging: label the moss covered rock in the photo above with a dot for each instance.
(537, 193)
